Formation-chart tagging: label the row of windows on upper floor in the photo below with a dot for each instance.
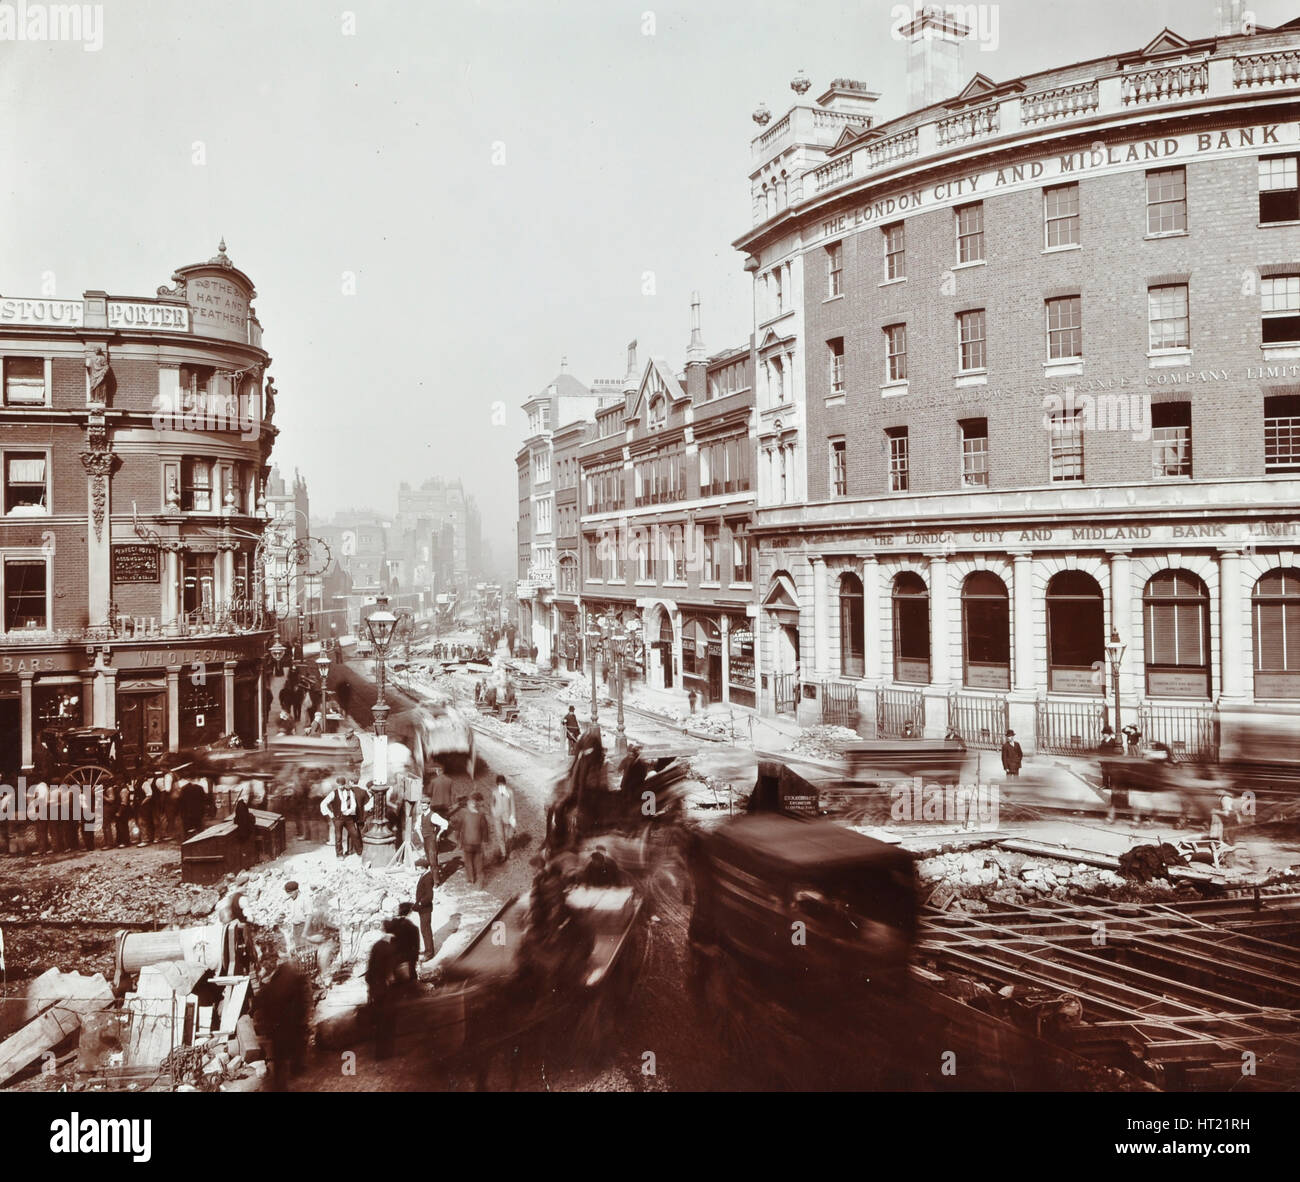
(197, 485)
(1170, 443)
(1062, 222)
(185, 389)
(725, 466)
(669, 553)
(1169, 331)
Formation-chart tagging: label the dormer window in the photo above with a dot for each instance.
(657, 413)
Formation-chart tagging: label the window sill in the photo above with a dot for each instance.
(972, 263)
(972, 377)
(735, 586)
(644, 583)
(675, 584)
(1063, 367)
(892, 282)
(1166, 234)
(31, 511)
(20, 404)
(832, 299)
(1285, 349)
(893, 389)
(1270, 225)
(1061, 249)
(1168, 358)
(836, 400)
(710, 586)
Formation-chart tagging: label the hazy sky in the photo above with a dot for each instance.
(499, 177)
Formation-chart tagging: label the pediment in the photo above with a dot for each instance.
(781, 595)
(982, 88)
(1165, 43)
(656, 380)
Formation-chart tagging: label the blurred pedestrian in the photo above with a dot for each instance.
(381, 972)
(406, 943)
(282, 1009)
(39, 803)
(245, 834)
(142, 807)
(504, 821)
(432, 826)
(572, 729)
(191, 804)
(473, 836)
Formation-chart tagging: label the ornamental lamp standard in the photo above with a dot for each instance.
(618, 644)
(1115, 654)
(380, 624)
(323, 668)
(593, 641)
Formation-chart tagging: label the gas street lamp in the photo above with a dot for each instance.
(618, 644)
(593, 641)
(380, 624)
(1115, 654)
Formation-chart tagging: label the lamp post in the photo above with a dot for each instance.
(323, 668)
(380, 624)
(594, 637)
(276, 652)
(1115, 654)
(617, 643)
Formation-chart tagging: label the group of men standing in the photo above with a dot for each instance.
(148, 807)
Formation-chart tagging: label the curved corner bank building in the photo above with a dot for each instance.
(1028, 383)
(135, 442)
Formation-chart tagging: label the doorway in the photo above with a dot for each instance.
(142, 719)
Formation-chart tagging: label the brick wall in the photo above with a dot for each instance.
(1111, 271)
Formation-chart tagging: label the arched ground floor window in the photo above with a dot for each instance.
(1076, 636)
(986, 632)
(911, 629)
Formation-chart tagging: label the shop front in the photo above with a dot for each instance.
(741, 687)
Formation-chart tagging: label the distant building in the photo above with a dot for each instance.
(292, 591)
(563, 401)
(667, 479)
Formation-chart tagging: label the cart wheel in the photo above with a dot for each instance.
(89, 776)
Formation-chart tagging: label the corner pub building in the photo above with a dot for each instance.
(1028, 382)
(135, 439)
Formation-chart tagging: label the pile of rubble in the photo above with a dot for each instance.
(345, 894)
(823, 742)
(980, 877)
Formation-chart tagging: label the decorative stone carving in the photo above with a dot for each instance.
(97, 367)
(98, 465)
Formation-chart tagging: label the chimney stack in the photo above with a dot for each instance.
(696, 356)
(1231, 20)
(695, 351)
(632, 379)
(934, 56)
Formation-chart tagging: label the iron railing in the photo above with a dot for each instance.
(1190, 732)
(786, 690)
(980, 719)
(840, 704)
(1068, 728)
(900, 714)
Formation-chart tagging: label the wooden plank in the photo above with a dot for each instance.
(22, 1049)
